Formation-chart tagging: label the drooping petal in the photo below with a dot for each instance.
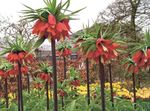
(142, 61)
(98, 42)
(36, 27)
(44, 76)
(100, 49)
(131, 68)
(12, 72)
(13, 57)
(106, 42)
(21, 55)
(66, 22)
(137, 56)
(43, 26)
(2, 73)
(51, 20)
(66, 52)
(60, 27)
(148, 53)
(52, 32)
(24, 69)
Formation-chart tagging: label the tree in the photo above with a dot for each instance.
(9, 30)
(135, 13)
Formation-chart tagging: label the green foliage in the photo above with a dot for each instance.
(45, 67)
(38, 43)
(106, 31)
(73, 73)
(17, 45)
(5, 65)
(63, 45)
(36, 101)
(143, 45)
(89, 45)
(86, 39)
(52, 7)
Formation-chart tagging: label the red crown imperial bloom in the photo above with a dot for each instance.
(52, 28)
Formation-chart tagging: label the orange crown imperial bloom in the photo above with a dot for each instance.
(65, 52)
(139, 58)
(133, 69)
(52, 28)
(148, 53)
(104, 48)
(142, 59)
(12, 72)
(15, 57)
(2, 73)
(75, 83)
(38, 85)
(24, 69)
(44, 76)
(61, 92)
(148, 58)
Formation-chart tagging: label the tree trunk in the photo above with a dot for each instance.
(134, 5)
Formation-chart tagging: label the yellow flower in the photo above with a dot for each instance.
(50, 94)
(82, 92)
(143, 93)
(11, 96)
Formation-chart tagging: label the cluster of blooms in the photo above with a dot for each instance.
(61, 92)
(21, 56)
(24, 69)
(119, 88)
(3, 74)
(105, 49)
(64, 52)
(13, 71)
(11, 96)
(143, 93)
(82, 90)
(37, 85)
(132, 68)
(75, 82)
(52, 28)
(142, 59)
(44, 76)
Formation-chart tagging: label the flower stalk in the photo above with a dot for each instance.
(134, 90)
(20, 96)
(65, 67)
(102, 83)
(54, 74)
(88, 81)
(111, 86)
(6, 92)
(47, 95)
